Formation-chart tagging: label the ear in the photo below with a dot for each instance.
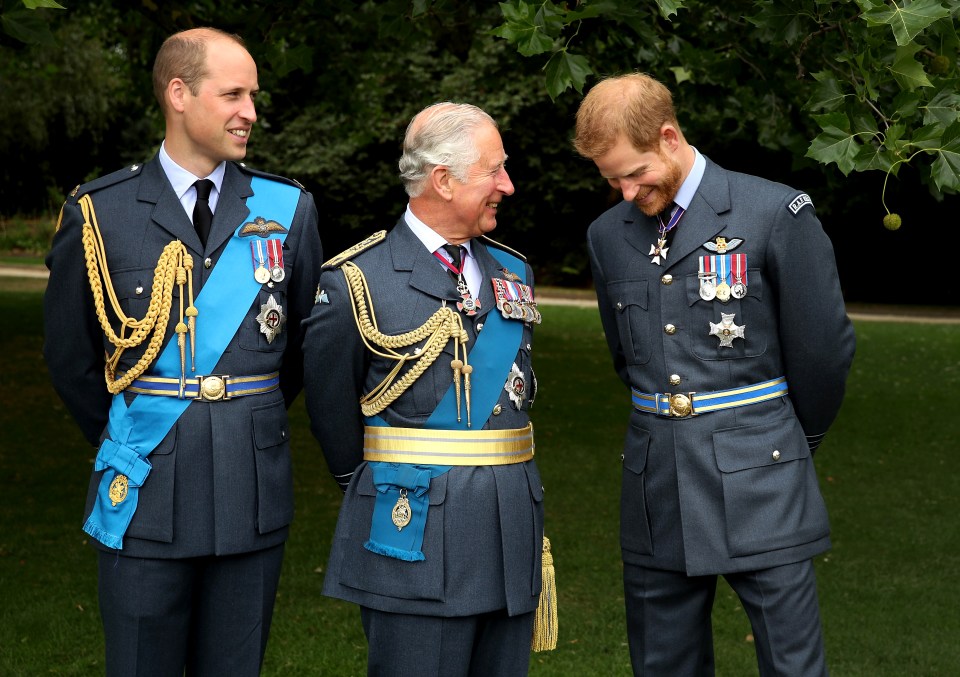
(670, 136)
(176, 93)
(441, 181)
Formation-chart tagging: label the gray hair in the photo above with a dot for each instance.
(440, 135)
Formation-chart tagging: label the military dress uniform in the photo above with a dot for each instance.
(731, 393)
(219, 483)
(481, 544)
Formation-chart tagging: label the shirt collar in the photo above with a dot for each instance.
(430, 238)
(689, 186)
(182, 180)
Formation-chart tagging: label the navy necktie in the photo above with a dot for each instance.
(454, 251)
(202, 215)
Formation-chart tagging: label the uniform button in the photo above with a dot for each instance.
(207, 262)
(619, 305)
(529, 347)
(674, 379)
(139, 290)
(497, 409)
(667, 279)
(670, 329)
(776, 455)
(479, 326)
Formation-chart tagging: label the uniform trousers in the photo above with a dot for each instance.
(208, 615)
(670, 631)
(486, 645)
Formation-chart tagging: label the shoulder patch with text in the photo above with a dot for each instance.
(799, 202)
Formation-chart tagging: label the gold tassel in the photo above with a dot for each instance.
(545, 620)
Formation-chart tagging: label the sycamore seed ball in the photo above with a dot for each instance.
(940, 64)
(891, 221)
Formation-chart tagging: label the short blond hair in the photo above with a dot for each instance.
(633, 105)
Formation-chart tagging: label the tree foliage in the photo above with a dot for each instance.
(781, 85)
(872, 83)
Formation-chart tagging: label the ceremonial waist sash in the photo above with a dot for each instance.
(683, 405)
(448, 447)
(135, 431)
(405, 460)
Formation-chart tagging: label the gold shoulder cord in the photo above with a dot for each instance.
(173, 266)
(442, 326)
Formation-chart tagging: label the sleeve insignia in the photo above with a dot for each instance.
(722, 245)
(261, 228)
(799, 202)
(348, 254)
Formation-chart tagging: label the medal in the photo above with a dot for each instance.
(516, 386)
(260, 272)
(708, 278)
(739, 270)
(275, 251)
(515, 301)
(723, 272)
(271, 319)
(467, 305)
(726, 330)
(659, 250)
(401, 514)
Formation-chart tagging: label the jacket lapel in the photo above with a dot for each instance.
(704, 219)
(167, 213)
(231, 207)
(426, 273)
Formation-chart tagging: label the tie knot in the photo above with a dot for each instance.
(203, 186)
(454, 251)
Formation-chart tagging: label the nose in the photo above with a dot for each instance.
(504, 184)
(629, 189)
(249, 111)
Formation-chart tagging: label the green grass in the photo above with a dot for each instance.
(889, 468)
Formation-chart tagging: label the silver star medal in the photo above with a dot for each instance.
(271, 319)
(726, 330)
(516, 386)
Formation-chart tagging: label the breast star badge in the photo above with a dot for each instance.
(726, 330)
(271, 319)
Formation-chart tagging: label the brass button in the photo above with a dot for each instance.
(667, 279)
(207, 262)
(670, 329)
(674, 379)
(776, 455)
(497, 409)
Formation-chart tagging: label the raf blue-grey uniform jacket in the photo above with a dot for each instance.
(221, 481)
(482, 543)
(732, 490)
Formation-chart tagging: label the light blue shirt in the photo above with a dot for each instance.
(182, 182)
(690, 184)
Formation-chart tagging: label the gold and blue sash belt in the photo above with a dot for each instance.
(683, 405)
(425, 446)
(209, 388)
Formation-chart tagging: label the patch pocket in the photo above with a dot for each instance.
(271, 437)
(771, 496)
(748, 312)
(380, 575)
(630, 301)
(133, 289)
(153, 520)
(634, 520)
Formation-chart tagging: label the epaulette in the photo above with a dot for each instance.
(104, 181)
(348, 254)
(799, 202)
(504, 247)
(266, 175)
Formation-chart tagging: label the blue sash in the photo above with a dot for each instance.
(135, 431)
(491, 358)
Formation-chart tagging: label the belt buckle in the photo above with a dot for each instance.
(212, 388)
(681, 405)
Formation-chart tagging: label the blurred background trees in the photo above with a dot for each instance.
(855, 103)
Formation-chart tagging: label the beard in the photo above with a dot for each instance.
(666, 190)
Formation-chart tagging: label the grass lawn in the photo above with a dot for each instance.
(888, 590)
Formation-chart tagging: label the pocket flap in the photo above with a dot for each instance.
(635, 449)
(758, 446)
(625, 293)
(270, 425)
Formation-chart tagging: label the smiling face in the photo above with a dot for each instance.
(649, 179)
(212, 125)
(474, 203)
